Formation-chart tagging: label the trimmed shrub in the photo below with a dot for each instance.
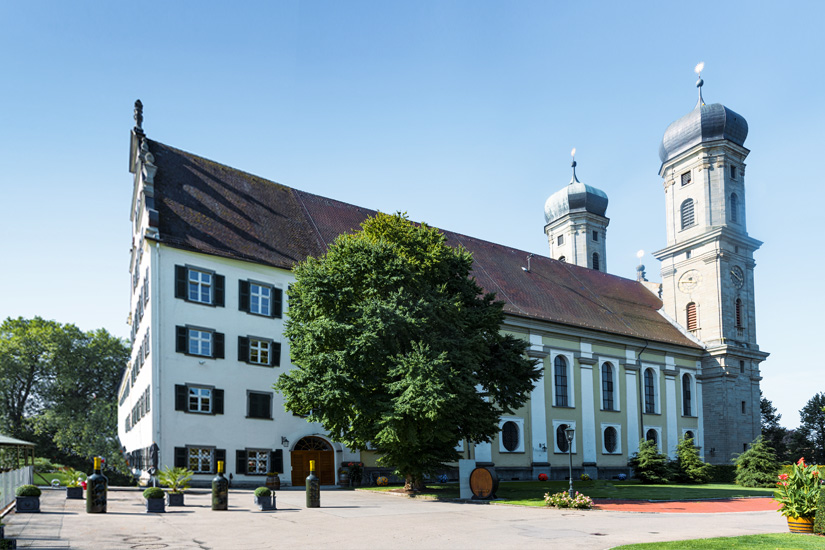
(153, 492)
(689, 467)
(819, 522)
(757, 467)
(262, 492)
(28, 491)
(649, 465)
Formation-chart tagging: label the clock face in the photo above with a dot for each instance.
(689, 281)
(737, 277)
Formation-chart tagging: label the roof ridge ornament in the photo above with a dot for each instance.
(699, 83)
(573, 164)
(139, 115)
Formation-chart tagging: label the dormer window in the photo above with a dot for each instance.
(686, 178)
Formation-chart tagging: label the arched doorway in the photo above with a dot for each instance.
(319, 450)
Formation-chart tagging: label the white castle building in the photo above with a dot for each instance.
(624, 360)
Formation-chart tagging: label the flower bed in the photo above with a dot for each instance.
(563, 500)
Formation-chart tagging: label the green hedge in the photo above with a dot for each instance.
(819, 522)
(723, 473)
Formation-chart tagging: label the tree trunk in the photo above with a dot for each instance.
(413, 484)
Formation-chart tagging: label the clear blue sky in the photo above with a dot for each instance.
(462, 113)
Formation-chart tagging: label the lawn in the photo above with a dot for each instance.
(531, 493)
(46, 478)
(781, 541)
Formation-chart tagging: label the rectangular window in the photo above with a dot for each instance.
(595, 235)
(560, 240)
(743, 407)
(200, 400)
(200, 287)
(259, 405)
(742, 367)
(202, 342)
(256, 462)
(686, 179)
(259, 351)
(200, 459)
(733, 172)
(260, 299)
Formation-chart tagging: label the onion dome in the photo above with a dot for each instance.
(575, 197)
(703, 124)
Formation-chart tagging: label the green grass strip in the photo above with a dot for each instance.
(775, 541)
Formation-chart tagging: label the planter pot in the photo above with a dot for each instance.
(174, 499)
(265, 503)
(27, 504)
(74, 493)
(801, 525)
(157, 505)
(273, 482)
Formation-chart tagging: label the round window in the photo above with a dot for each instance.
(610, 439)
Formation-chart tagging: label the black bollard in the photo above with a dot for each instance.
(96, 487)
(220, 490)
(313, 487)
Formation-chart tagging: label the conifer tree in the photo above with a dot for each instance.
(757, 466)
(649, 465)
(690, 468)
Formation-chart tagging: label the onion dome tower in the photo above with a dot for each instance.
(576, 226)
(707, 268)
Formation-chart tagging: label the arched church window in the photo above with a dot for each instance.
(692, 322)
(596, 261)
(607, 387)
(610, 439)
(734, 208)
(739, 312)
(689, 435)
(560, 379)
(650, 392)
(561, 438)
(652, 436)
(510, 435)
(687, 406)
(687, 213)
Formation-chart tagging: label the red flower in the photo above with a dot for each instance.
(783, 476)
(801, 461)
(815, 472)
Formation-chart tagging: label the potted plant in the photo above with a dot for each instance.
(264, 498)
(154, 500)
(797, 494)
(28, 499)
(177, 479)
(74, 490)
(356, 471)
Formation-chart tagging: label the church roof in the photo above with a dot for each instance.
(207, 207)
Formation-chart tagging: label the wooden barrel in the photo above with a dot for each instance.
(483, 484)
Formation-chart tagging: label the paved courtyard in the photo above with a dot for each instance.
(357, 520)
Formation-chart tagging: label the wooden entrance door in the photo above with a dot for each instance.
(317, 449)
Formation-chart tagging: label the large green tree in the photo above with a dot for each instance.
(774, 434)
(58, 387)
(811, 432)
(398, 348)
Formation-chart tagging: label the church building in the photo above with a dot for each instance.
(623, 360)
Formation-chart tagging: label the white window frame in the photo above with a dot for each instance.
(618, 428)
(204, 455)
(571, 380)
(658, 430)
(203, 282)
(519, 422)
(617, 389)
(204, 398)
(202, 341)
(257, 461)
(657, 405)
(260, 299)
(259, 348)
(556, 449)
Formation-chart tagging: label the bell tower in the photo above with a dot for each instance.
(576, 226)
(707, 268)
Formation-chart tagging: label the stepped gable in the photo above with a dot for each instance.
(207, 207)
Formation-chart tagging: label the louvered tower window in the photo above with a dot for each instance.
(686, 209)
(739, 313)
(692, 323)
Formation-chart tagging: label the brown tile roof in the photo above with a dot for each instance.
(207, 207)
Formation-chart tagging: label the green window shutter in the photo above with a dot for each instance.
(243, 295)
(180, 281)
(277, 302)
(181, 393)
(275, 355)
(180, 457)
(220, 285)
(217, 401)
(217, 345)
(243, 349)
(181, 337)
(220, 455)
(240, 462)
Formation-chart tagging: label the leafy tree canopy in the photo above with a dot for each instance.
(58, 388)
(775, 435)
(811, 432)
(396, 347)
